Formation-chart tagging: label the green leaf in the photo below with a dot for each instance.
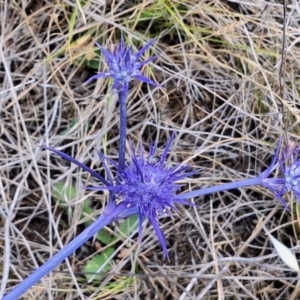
(94, 264)
(63, 193)
(86, 212)
(104, 237)
(128, 226)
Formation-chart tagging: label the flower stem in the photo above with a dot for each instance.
(123, 126)
(90, 231)
(221, 187)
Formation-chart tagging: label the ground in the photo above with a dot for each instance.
(229, 72)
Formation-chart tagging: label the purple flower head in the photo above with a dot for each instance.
(289, 164)
(146, 186)
(290, 168)
(124, 64)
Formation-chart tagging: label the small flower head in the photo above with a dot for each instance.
(290, 168)
(289, 180)
(124, 64)
(146, 186)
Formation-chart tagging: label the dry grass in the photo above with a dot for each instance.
(219, 64)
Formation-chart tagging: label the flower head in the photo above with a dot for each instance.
(124, 64)
(146, 186)
(289, 180)
(290, 168)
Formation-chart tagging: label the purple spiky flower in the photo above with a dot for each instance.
(148, 185)
(124, 65)
(289, 163)
(145, 186)
(289, 179)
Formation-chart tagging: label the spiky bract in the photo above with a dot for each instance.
(124, 65)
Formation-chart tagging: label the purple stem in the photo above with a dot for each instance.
(221, 187)
(103, 220)
(123, 125)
